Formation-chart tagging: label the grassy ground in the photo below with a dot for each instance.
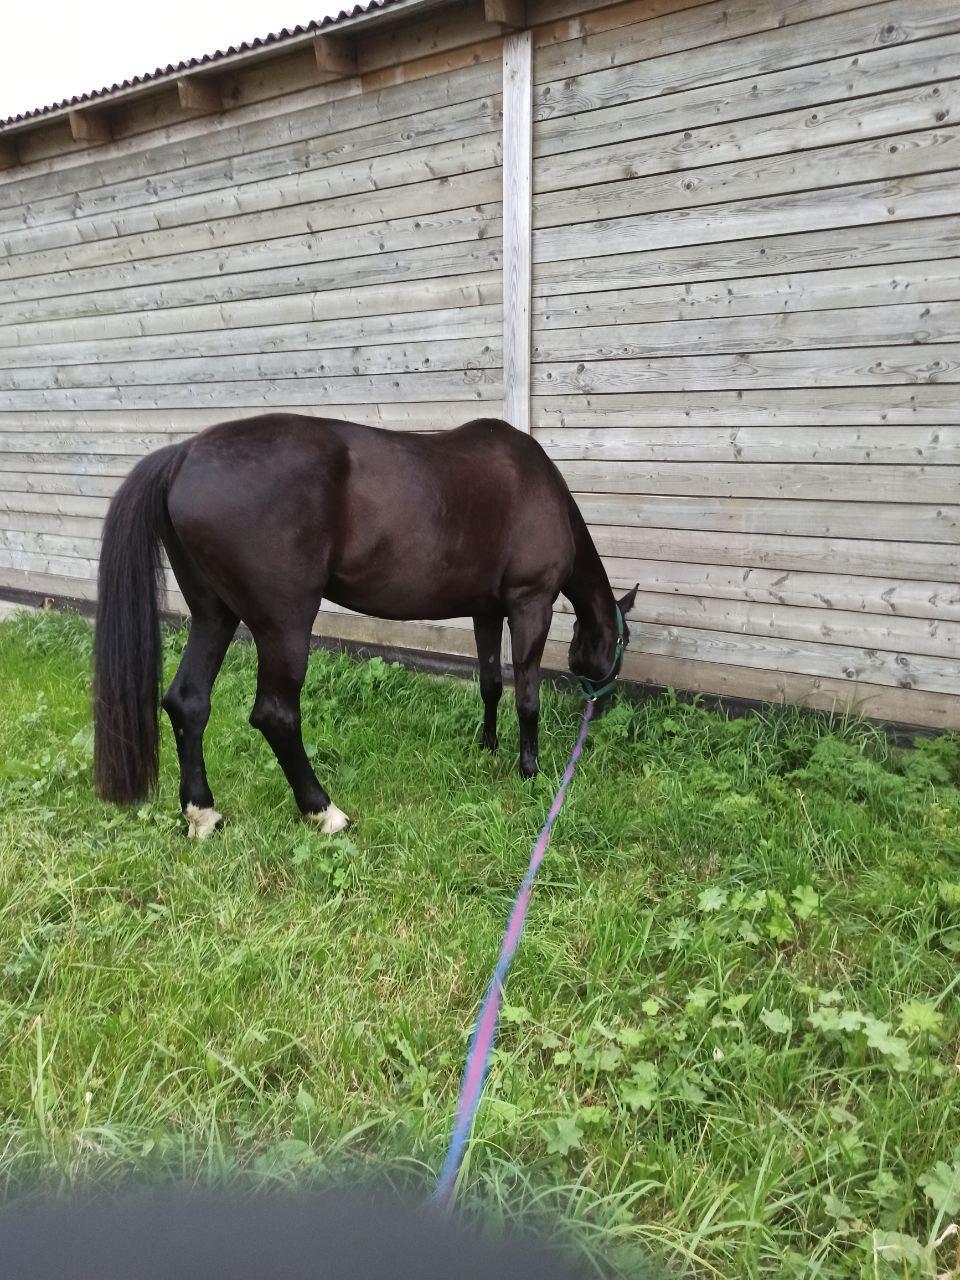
(731, 1041)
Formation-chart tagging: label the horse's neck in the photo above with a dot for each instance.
(588, 588)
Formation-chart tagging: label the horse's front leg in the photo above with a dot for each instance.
(529, 625)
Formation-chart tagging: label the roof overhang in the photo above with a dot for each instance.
(374, 13)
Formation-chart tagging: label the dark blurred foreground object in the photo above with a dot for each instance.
(180, 1236)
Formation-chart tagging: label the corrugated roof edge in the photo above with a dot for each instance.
(287, 34)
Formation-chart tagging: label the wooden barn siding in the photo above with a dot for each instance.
(744, 314)
(331, 249)
(746, 339)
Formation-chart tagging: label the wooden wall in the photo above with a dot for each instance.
(330, 249)
(745, 312)
(746, 337)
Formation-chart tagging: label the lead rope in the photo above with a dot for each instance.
(485, 1029)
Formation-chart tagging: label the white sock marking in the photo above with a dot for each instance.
(200, 822)
(331, 820)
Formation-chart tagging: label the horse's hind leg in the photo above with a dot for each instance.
(488, 632)
(282, 653)
(187, 703)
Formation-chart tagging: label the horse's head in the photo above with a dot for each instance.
(596, 652)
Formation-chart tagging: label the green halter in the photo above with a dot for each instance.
(594, 689)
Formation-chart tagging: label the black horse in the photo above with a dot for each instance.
(263, 518)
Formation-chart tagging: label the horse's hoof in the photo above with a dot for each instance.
(529, 771)
(331, 820)
(201, 822)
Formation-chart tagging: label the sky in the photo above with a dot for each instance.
(65, 47)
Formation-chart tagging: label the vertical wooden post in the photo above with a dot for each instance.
(517, 220)
(517, 183)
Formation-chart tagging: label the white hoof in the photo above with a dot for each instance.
(200, 822)
(331, 820)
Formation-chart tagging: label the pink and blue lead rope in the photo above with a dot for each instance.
(485, 1030)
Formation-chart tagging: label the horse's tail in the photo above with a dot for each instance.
(127, 654)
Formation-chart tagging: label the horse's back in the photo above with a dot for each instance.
(400, 524)
(277, 448)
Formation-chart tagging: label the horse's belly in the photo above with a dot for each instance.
(405, 602)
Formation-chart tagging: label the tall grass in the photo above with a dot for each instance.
(731, 1033)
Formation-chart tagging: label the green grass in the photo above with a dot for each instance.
(731, 1041)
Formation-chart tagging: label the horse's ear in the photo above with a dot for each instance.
(627, 602)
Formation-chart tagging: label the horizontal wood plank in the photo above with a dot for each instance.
(69, 469)
(49, 523)
(834, 661)
(33, 565)
(409, 415)
(838, 697)
(337, 184)
(769, 295)
(860, 553)
(926, 403)
(310, 393)
(808, 85)
(912, 324)
(14, 505)
(781, 445)
(710, 47)
(448, 323)
(557, 21)
(849, 367)
(423, 230)
(898, 521)
(865, 483)
(924, 195)
(678, 31)
(896, 635)
(369, 271)
(890, 242)
(396, 357)
(822, 591)
(478, 288)
(876, 158)
(853, 366)
(437, 202)
(839, 125)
